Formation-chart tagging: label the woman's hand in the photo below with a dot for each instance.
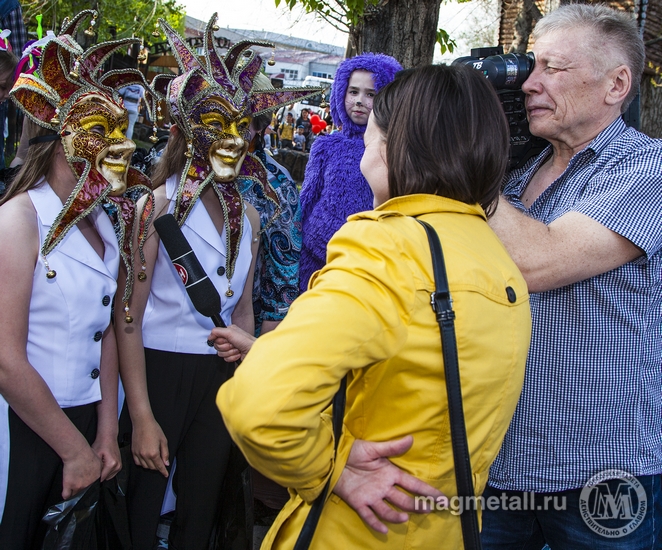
(149, 446)
(231, 343)
(80, 471)
(108, 451)
(369, 480)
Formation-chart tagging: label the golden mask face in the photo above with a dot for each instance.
(97, 127)
(222, 134)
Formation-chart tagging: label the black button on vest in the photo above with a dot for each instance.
(220, 271)
(98, 335)
(95, 374)
(105, 300)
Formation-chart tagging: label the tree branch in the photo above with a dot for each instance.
(335, 22)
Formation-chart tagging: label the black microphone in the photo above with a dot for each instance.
(201, 291)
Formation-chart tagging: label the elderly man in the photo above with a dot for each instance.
(580, 464)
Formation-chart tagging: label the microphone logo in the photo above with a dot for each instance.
(181, 271)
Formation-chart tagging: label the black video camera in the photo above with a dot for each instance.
(507, 73)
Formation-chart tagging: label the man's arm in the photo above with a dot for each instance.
(570, 249)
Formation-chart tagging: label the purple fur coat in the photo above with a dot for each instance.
(333, 186)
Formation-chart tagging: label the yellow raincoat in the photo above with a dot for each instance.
(367, 313)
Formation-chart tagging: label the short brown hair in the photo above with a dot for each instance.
(446, 134)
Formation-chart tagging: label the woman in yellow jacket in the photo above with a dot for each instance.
(436, 149)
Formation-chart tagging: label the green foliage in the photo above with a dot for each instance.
(446, 43)
(346, 15)
(337, 12)
(127, 17)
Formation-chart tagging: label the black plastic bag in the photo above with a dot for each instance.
(94, 519)
(112, 520)
(72, 522)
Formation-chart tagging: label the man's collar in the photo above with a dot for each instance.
(607, 135)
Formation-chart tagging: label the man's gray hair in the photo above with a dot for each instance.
(617, 27)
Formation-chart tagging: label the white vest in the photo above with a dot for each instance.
(68, 314)
(171, 323)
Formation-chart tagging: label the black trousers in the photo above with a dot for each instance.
(35, 479)
(182, 392)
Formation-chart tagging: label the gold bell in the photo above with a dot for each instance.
(56, 119)
(142, 276)
(50, 274)
(74, 72)
(272, 59)
(155, 32)
(215, 27)
(229, 293)
(127, 318)
(189, 151)
(153, 138)
(90, 29)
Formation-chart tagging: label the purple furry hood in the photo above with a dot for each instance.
(383, 69)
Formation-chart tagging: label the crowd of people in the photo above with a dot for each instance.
(291, 127)
(554, 298)
(300, 133)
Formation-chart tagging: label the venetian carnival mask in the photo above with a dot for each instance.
(95, 130)
(68, 92)
(212, 102)
(221, 133)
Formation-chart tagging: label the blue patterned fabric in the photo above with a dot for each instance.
(592, 396)
(276, 282)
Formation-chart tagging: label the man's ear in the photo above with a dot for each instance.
(621, 83)
(174, 130)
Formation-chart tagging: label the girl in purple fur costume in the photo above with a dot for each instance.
(333, 187)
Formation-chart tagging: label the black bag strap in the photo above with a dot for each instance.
(309, 526)
(442, 305)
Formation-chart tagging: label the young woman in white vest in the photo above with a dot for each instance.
(59, 260)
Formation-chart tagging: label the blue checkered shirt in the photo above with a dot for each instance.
(11, 17)
(592, 396)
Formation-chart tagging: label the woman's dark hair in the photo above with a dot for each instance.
(259, 124)
(38, 161)
(446, 134)
(8, 62)
(172, 160)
